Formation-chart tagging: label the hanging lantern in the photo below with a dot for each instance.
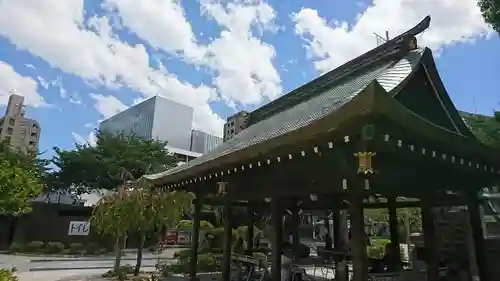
(365, 162)
(221, 188)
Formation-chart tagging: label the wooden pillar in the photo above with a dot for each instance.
(295, 229)
(430, 242)
(277, 240)
(337, 231)
(228, 233)
(250, 229)
(473, 207)
(341, 269)
(358, 236)
(195, 238)
(328, 235)
(394, 229)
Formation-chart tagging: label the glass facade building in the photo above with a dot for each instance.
(157, 118)
(202, 142)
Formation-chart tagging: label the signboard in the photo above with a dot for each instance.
(79, 228)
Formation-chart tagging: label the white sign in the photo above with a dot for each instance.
(79, 228)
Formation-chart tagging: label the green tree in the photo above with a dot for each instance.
(115, 159)
(155, 209)
(485, 128)
(490, 9)
(114, 215)
(21, 179)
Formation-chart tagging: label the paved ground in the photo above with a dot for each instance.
(61, 275)
(72, 269)
(78, 269)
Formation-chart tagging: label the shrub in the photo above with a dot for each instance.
(8, 275)
(35, 246)
(76, 248)
(92, 248)
(16, 247)
(215, 237)
(122, 273)
(207, 262)
(163, 268)
(66, 252)
(54, 247)
(376, 249)
(182, 254)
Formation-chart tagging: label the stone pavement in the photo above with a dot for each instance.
(73, 269)
(62, 275)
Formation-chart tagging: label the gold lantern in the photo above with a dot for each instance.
(365, 162)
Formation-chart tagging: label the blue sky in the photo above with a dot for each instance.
(78, 62)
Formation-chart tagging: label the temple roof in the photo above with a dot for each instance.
(389, 66)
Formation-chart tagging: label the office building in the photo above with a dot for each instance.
(20, 132)
(202, 142)
(235, 124)
(163, 119)
(155, 118)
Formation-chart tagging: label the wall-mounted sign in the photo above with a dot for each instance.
(79, 228)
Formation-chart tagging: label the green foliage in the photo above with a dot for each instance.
(207, 262)
(111, 215)
(188, 225)
(76, 248)
(54, 247)
(16, 247)
(490, 9)
(34, 246)
(93, 248)
(381, 216)
(138, 206)
(153, 207)
(376, 249)
(116, 159)
(485, 128)
(121, 274)
(21, 179)
(8, 275)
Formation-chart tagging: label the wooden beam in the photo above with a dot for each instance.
(320, 205)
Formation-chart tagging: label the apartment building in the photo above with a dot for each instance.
(20, 132)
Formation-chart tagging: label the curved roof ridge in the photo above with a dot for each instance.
(388, 75)
(392, 50)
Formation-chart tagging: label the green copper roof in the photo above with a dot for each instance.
(389, 75)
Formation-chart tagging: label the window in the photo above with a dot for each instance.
(7, 139)
(10, 130)
(12, 121)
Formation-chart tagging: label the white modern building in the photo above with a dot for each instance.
(202, 142)
(166, 120)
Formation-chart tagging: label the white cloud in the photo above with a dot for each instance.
(56, 31)
(74, 98)
(42, 82)
(108, 106)
(333, 44)
(10, 80)
(241, 62)
(29, 65)
(172, 31)
(79, 139)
